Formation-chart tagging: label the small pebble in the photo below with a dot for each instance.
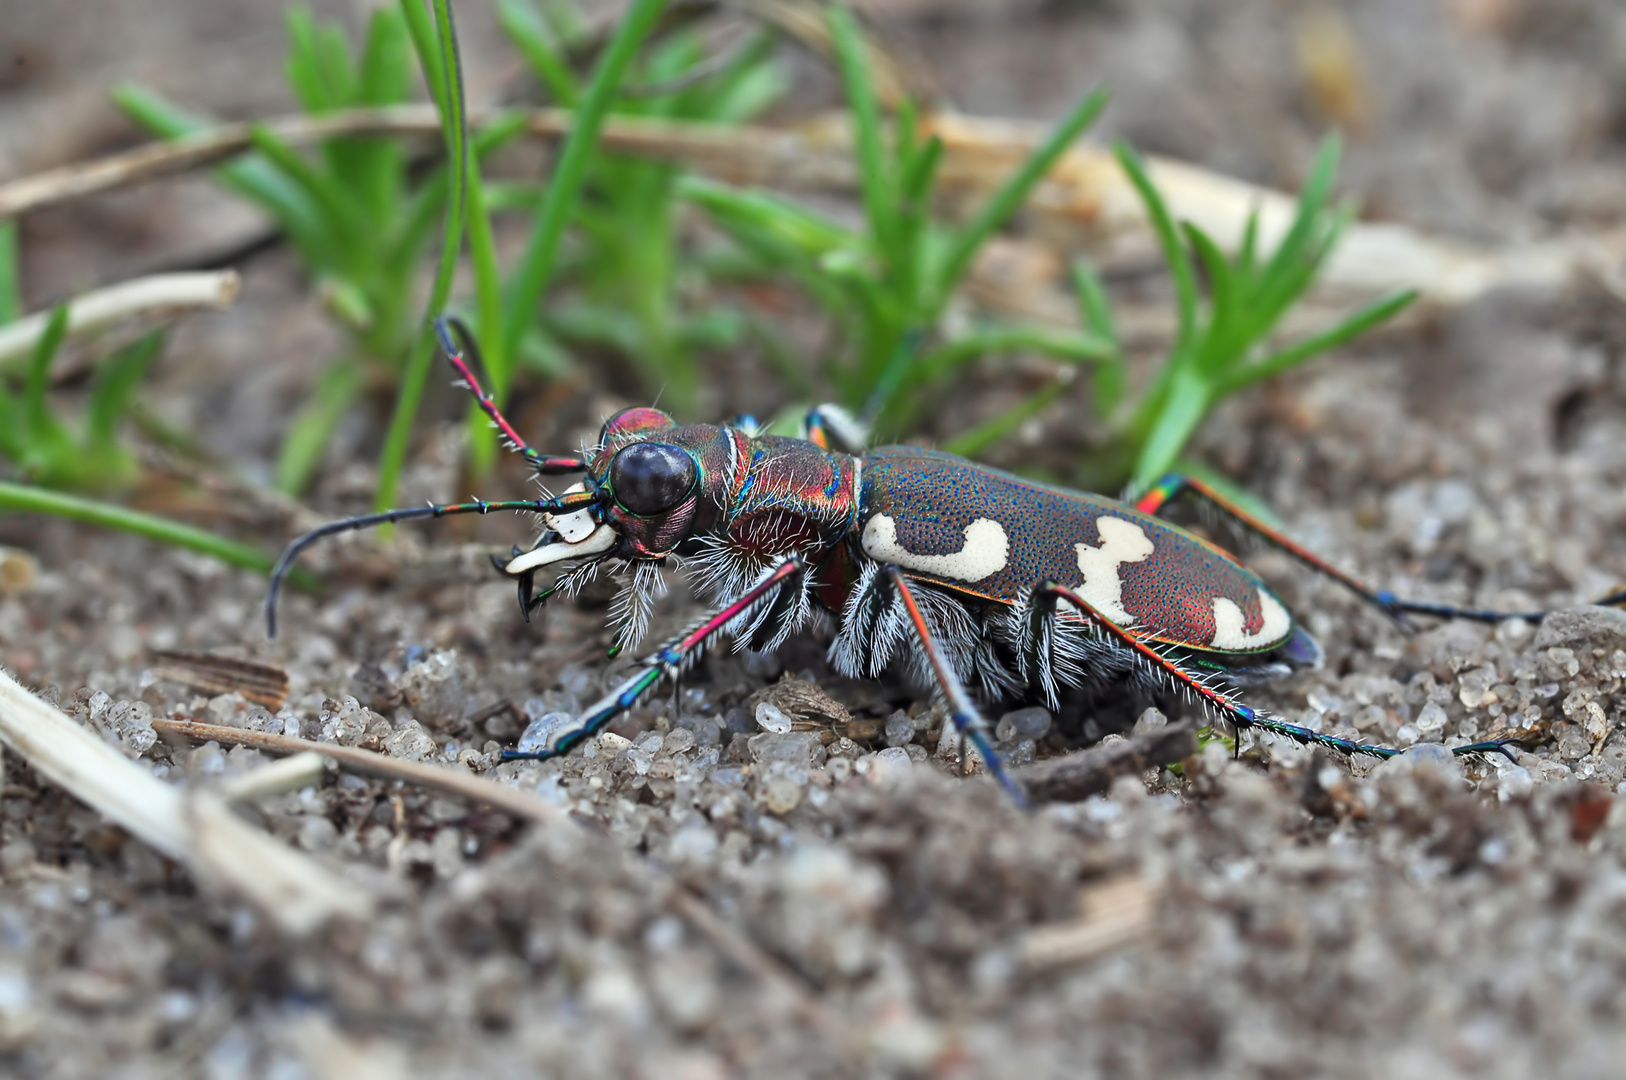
(899, 730)
(772, 719)
(782, 795)
(1031, 724)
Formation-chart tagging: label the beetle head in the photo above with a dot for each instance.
(652, 480)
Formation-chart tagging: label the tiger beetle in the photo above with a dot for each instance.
(967, 575)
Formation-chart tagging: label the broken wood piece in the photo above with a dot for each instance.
(197, 830)
(157, 296)
(1083, 773)
(263, 684)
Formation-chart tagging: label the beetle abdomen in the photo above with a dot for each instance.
(995, 535)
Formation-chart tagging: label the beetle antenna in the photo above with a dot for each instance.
(564, 504)
(542, 463)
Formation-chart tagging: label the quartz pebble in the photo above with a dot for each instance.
(771, 718)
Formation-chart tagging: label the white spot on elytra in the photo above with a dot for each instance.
(986, 550)
(1230, 630)
(1121, 542)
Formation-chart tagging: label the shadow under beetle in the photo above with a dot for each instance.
(968, 575)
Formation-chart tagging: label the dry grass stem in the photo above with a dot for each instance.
(1114, 914)
(158, 296)
(510, 800)
(1087, 193)
(278, 778)
(197, 830)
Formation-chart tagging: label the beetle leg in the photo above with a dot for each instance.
(542, 463)
(1172, 486)
(1242, 716)
(968, 721)
(668, 663)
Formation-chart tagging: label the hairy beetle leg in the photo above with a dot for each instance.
(968, 721)
(670, 662)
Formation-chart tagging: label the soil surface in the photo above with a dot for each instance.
(1277, 912)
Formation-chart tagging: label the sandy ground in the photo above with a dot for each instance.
(1279, 913)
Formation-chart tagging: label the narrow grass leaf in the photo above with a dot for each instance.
(531, 36)
(115, 386)
(11, 282)
(307, 438)
(1168, 238)
(1357, 324)
(24, 499)
(1013, 193)
(979, 438)
(874, 179)
(530, 279)
(455, 126)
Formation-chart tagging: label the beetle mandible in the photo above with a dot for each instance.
(968, 575)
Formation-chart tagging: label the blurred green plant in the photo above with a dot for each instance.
(627, 262)
(43, 448)
(1223, 341)
(887, 285)
(46, 452)
(358, 223)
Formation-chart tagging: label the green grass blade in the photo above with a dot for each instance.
(341, 213)
(1074, 346)
(420, 26)
(531, 36)
(11, 282)
(1187, 402)
(116, 381)
(1013, 193)
(455, 126)
(23, 499)
(1357, 324)
(1298, 245)
(1109, 382)
(979, 438)
(252, 177)
(813, 234)
(1168, 238)
(303, 68)
(874, 179)
(1093, 306)
(37, 416)
(530, 279)
(313, 425)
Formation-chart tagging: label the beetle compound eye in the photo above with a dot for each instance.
(652, 478)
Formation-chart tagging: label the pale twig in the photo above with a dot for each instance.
(278, 778)
(522, 804)
(452, 781)
(197, 830)
(157, 296)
